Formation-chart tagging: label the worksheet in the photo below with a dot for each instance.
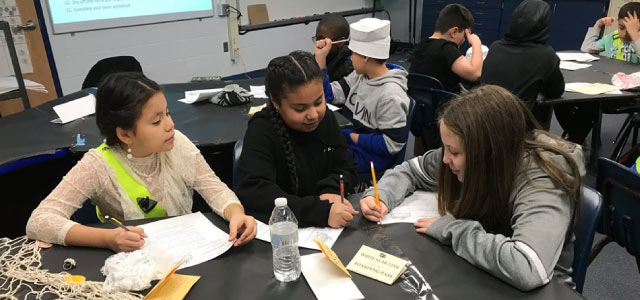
(191, 234)
(305, 235)
(418, 205)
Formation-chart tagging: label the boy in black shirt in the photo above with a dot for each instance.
(438, 56)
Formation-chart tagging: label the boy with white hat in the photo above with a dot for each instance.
(374, 98)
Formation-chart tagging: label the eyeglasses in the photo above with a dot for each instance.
(316, 38)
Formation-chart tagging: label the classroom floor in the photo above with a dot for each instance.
(614, 273)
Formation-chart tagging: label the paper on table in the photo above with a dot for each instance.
(191, 234)
(591, 88)
(417, 206)
(327, 281)
(577, 56)
(174, 287)
(75, 109)
(305, 235)
(572, 66)
(333, 107)
(258, 91)
(191, 97)
(255, 109)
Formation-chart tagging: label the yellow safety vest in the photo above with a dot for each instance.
(133, 188)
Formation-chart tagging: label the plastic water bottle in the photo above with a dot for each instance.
(284, 241)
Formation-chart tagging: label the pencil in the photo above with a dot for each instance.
(115, 221)
(341, 189)
(375, 185)
(340, 41)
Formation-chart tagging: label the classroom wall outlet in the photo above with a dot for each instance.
(222, 9)
(225, 46)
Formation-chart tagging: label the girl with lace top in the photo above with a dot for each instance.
(294, 148)
(145, 168)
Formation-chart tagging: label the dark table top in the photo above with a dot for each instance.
(600, 71)
(31, 133)
(246, 272)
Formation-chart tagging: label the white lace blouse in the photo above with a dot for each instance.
(173, 177)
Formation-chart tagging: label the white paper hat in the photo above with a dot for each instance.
(370, 37)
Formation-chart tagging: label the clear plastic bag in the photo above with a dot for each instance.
(134, 271)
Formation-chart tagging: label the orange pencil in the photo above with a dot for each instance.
(375, 186)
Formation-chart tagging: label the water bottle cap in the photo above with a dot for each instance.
(281, 201)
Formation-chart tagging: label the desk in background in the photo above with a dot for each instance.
(600, 71)
(247, 272)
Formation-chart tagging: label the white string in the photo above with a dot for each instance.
(21, 274)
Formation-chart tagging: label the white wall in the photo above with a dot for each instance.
(399, 12)
(177, 51)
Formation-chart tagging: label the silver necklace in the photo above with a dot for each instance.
(153, 173)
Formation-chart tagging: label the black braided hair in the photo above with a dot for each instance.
(284, 74)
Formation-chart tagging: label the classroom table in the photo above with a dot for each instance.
(600, 71)
(246, 272)
(31, 133)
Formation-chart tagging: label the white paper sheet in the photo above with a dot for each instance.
(191, 234)
(191, 97)
(333, 107)
(572, 66)
(305, 235)
(577, 56)
(258, 91)
(417, 206)
(75, 109)
(10, 83)
(575, 87)
(326, 280)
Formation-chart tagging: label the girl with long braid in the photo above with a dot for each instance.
(294, 148)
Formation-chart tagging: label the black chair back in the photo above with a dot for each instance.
(110, 65)
(620, 188)
(586, 223)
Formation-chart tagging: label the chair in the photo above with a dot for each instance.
(586, 223)
(110, 65)
(620, 222)
(237, 150)
(430, 95)
(632, 122)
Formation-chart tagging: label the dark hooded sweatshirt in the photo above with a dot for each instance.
(522, 62)
(320, 157)
(339, 64)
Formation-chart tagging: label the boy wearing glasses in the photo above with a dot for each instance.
(336, 28)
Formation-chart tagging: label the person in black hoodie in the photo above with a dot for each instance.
(294, 148)
(336, 27)
(523, 62)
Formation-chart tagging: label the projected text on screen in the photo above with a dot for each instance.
(79, 15)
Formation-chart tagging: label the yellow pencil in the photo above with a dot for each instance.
(375, 186)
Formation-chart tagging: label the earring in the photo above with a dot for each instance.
(129, 156)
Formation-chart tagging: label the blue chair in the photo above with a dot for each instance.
(237, 150)
(430, 96)
(586, 223)
(620, 222)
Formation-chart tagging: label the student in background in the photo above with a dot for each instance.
(145, 168)
(438, 56)
(336, 28)
(621, 44)
(524, 63)
(374, 98)
(507, 191)
(293, 148)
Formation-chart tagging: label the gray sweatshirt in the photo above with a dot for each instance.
(611, 45)
(540, 217)
(378, 105)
